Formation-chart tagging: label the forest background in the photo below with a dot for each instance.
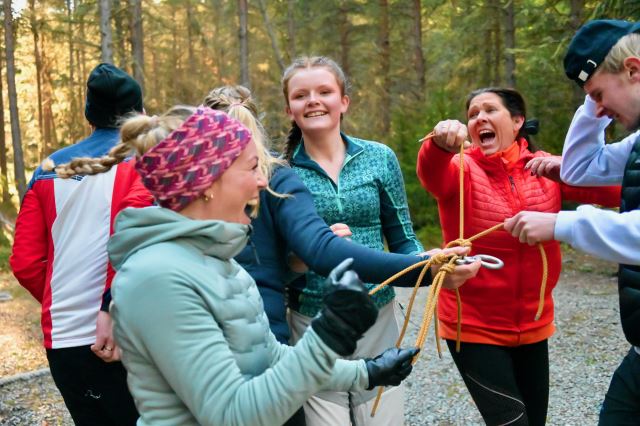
(410, 63)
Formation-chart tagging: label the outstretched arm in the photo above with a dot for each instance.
(308, 236)
(603, 233)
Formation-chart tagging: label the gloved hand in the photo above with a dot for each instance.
(348, 310)
(391, 367)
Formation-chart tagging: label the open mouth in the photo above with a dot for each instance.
(487, 136)
(315, 114)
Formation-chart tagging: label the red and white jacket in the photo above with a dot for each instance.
(499, 306)
(60, 247)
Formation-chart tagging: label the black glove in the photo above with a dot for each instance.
(348, 310)
(390, 367)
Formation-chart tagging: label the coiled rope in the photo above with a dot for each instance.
(448, 265)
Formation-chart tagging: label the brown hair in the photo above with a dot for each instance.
(513, 101)
(304, 62)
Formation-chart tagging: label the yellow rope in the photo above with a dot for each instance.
(543, 286)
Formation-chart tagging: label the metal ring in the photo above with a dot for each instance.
(488, 261)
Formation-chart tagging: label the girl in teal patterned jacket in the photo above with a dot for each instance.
(358, 189)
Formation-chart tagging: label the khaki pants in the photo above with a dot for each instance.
(334, 408)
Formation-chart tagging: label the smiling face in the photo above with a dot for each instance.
(315, 100)
(617, 95)
(491, 126)
(237, 188)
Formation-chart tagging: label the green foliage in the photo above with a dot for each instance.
(408, 126)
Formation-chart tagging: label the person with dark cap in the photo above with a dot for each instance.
(604, 59)
(60, 256)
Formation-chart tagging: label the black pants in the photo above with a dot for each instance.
(510, 385)
(622, 402)
(95, 392)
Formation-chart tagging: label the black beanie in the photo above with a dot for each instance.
(111, 93)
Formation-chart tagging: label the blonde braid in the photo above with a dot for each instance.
(138, 134)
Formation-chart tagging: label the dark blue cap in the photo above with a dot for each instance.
(591, 44)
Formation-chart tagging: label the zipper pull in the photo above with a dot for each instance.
(255, 252)
(513, 184)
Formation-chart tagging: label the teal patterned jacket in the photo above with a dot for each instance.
(369, 197)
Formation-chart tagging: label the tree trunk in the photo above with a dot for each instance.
(175, 86)
(494, 9)
(81, 62)
(38, 60)
(4, 174)
(73, 102)
(291, 29)
(16, 139)
(243, 11)
(510, 43)
(191, 55)
(575, 21)
(137, 41)
(272, 36)
(344, 29)
(106, 38)
(486, 57)
(119, 12)
(418, 54)
(47, 105)
(159, 96)
(385, 65)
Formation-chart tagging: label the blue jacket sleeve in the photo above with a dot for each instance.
(309, 237)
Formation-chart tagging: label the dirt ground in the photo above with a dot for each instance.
(20, 332)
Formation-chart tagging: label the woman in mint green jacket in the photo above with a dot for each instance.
(190, 322)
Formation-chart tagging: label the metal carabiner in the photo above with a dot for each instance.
(488, 261)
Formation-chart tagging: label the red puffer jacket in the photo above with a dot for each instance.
(499, 306)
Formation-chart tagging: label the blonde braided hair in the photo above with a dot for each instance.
(138, 134)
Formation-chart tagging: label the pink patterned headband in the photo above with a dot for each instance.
(184, 164)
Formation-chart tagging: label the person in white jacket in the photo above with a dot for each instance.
(604, 59)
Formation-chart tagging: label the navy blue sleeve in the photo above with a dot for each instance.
(308, 236)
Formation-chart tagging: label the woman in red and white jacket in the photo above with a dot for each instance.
(504, 354)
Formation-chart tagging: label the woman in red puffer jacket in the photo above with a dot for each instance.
(504, 354)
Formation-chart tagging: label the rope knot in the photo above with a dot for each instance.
(447, 268)
(460, 242)
(439, 258)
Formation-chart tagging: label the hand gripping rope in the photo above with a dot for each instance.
(448, 262)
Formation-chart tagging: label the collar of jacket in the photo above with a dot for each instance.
(137, 228)
(496, 161)
(300, 157)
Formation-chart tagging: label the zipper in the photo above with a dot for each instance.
(513, 184)
(255, 252)
(347, 158)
